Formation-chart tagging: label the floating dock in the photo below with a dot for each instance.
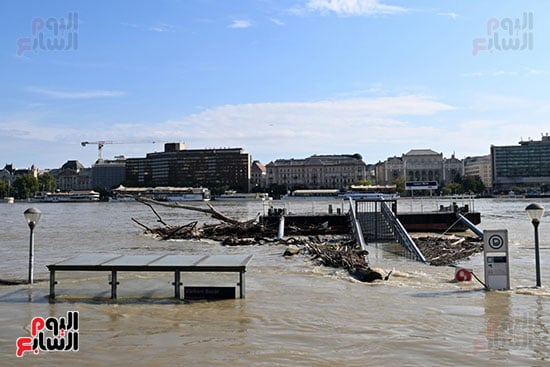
(437, 221)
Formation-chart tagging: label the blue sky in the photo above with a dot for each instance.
(281, 79)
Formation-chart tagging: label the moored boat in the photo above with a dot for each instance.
(366, 192)
(164, 193)
(77, 196)
(314, 194)
(236, 196)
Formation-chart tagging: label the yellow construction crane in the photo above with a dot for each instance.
(101, 143)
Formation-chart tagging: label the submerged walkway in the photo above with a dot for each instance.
(152, 263)
(375, 220)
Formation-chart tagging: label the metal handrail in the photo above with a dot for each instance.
(403, 236)
(356, 226)
(470, 225)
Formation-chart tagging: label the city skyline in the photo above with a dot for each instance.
(117, 158)
(253, 159)
(281, 79)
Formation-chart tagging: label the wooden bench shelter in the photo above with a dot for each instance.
(152, 263)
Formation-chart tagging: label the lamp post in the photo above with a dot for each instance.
(32, 216)
(535, 212)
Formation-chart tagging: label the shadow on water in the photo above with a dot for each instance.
(26, 295)
(529, 291)
(446, 293)
(19, 281)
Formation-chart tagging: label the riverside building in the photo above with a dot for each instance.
(524, 167)
(216, 169)
(317, 172)
(107, 174)
(419, 165)
(480, 166)
(73, 176)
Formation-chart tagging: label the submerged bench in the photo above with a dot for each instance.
(152, 263)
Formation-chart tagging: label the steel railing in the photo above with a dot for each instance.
(401, 234)
(356, 226)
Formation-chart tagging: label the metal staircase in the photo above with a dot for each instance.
(374, 220)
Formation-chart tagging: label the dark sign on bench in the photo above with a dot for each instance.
(209, 292)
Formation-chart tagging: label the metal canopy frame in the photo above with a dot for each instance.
(153, 263)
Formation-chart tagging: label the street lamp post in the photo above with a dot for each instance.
(535, 212)
(32, 216)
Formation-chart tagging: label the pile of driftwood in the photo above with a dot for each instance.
(347, 255)
(229, 230)
(341, 254)
(336, 252)
(220, 231)
(446, 250)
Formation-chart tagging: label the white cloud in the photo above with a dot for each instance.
(505, 73)
(451, 15)
(472, 74)
(162, 27)
(303, 128)
(74, 94)
(277, 22)
(353, 7)
(376, 127)
(240, 23)
(266, 130)
(531, 71)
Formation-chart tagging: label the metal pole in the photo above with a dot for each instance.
(177, 284)
(52, 283)
(31, 254)
(241, 284)
(281, 231)
(537, 257)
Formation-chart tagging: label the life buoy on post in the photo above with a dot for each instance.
(463, 275)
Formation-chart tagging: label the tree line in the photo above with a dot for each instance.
(25, 186)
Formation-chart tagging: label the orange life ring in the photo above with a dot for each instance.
(463, 275)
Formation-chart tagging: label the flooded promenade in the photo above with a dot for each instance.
(295, 313)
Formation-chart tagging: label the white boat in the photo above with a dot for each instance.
(371, 192)
(9, 199)
(235, 196)
(314, 194)
(164, 193)
(78, 196)
(369, 195)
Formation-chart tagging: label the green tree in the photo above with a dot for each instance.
(276, 190)
(25, 186)
(453, 188)
(47, 182)
(4, 187)
(473, 184)
(400, 184)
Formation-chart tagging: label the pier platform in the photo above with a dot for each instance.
(152, 263)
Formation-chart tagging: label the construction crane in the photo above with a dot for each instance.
(101, 143)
